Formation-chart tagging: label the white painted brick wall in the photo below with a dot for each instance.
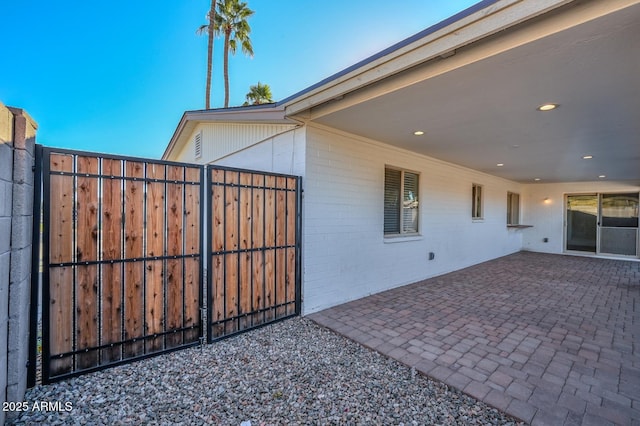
(345, 253)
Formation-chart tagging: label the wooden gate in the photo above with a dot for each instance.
(254, 249)
(122, 268)
(122, 265)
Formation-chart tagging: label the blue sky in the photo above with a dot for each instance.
(117, 78)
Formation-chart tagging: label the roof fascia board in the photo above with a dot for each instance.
(261, 115)
(581, 13)
(434, 42)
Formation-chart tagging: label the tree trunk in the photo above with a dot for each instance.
(212, 14)
(227, 35)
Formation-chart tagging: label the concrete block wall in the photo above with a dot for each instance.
(17, 147)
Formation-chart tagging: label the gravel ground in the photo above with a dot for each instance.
(292, 372)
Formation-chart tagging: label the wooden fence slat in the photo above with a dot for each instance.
(257, 230)
(192, 174)
(87, 315)
(217, 295)
(244, 202)
(245, 297)
(231, 291)
(175, 216)
(217, 222)
(134, 169)
(258, 287)
(61, 219)
(61, 318)
(231, 225)
(269, 283)
(155, 219)
(112, 311)
(134, 213)
(111, 211)
(290, 211)
(155, 171)
(61, 163)
(270, 214)
(134, 308)
(87, 227)
(281, 206)
(174, 302)
(192, 220)
(191, 298)
(154, 305)
(281, 274)
(291, 281)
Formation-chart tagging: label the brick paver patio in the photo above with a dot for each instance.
(549, 339)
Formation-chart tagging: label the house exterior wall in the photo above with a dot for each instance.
(346, 255)
(221, 139)
(548, 218)
(283, 153)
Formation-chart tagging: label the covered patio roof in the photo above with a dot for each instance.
(473, 85)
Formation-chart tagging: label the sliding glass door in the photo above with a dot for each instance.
(603, 223)
(619, 224)
(582, 222)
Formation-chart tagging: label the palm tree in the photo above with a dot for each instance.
(209, 28)
(259, 94)
(231, 21)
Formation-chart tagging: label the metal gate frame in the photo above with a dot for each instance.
(233, 181)
(243, 320)
(42, 200)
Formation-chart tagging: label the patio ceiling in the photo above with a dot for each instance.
(484, 113)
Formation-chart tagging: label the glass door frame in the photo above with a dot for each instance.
(566, 223)
(597, 252)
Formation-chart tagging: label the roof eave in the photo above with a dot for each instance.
(479, 21)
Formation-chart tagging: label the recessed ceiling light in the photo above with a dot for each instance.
(418, 133)
(547, 107)
(499, 164)
(587, 157)
(537, 179)
(602, 176)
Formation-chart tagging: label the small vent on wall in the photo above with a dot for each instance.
(198, 145)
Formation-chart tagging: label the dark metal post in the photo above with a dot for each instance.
(35, 268)
(299, 192)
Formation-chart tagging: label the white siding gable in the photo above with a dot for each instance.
(222, 139)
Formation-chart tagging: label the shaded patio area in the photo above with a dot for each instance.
(550, 339)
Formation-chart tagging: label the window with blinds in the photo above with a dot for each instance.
(476, 201)
(401, 206)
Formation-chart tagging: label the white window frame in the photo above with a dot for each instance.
(477, 202)
(513, 208)
(415, 205)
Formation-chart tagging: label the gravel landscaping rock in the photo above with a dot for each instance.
(291, 372)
